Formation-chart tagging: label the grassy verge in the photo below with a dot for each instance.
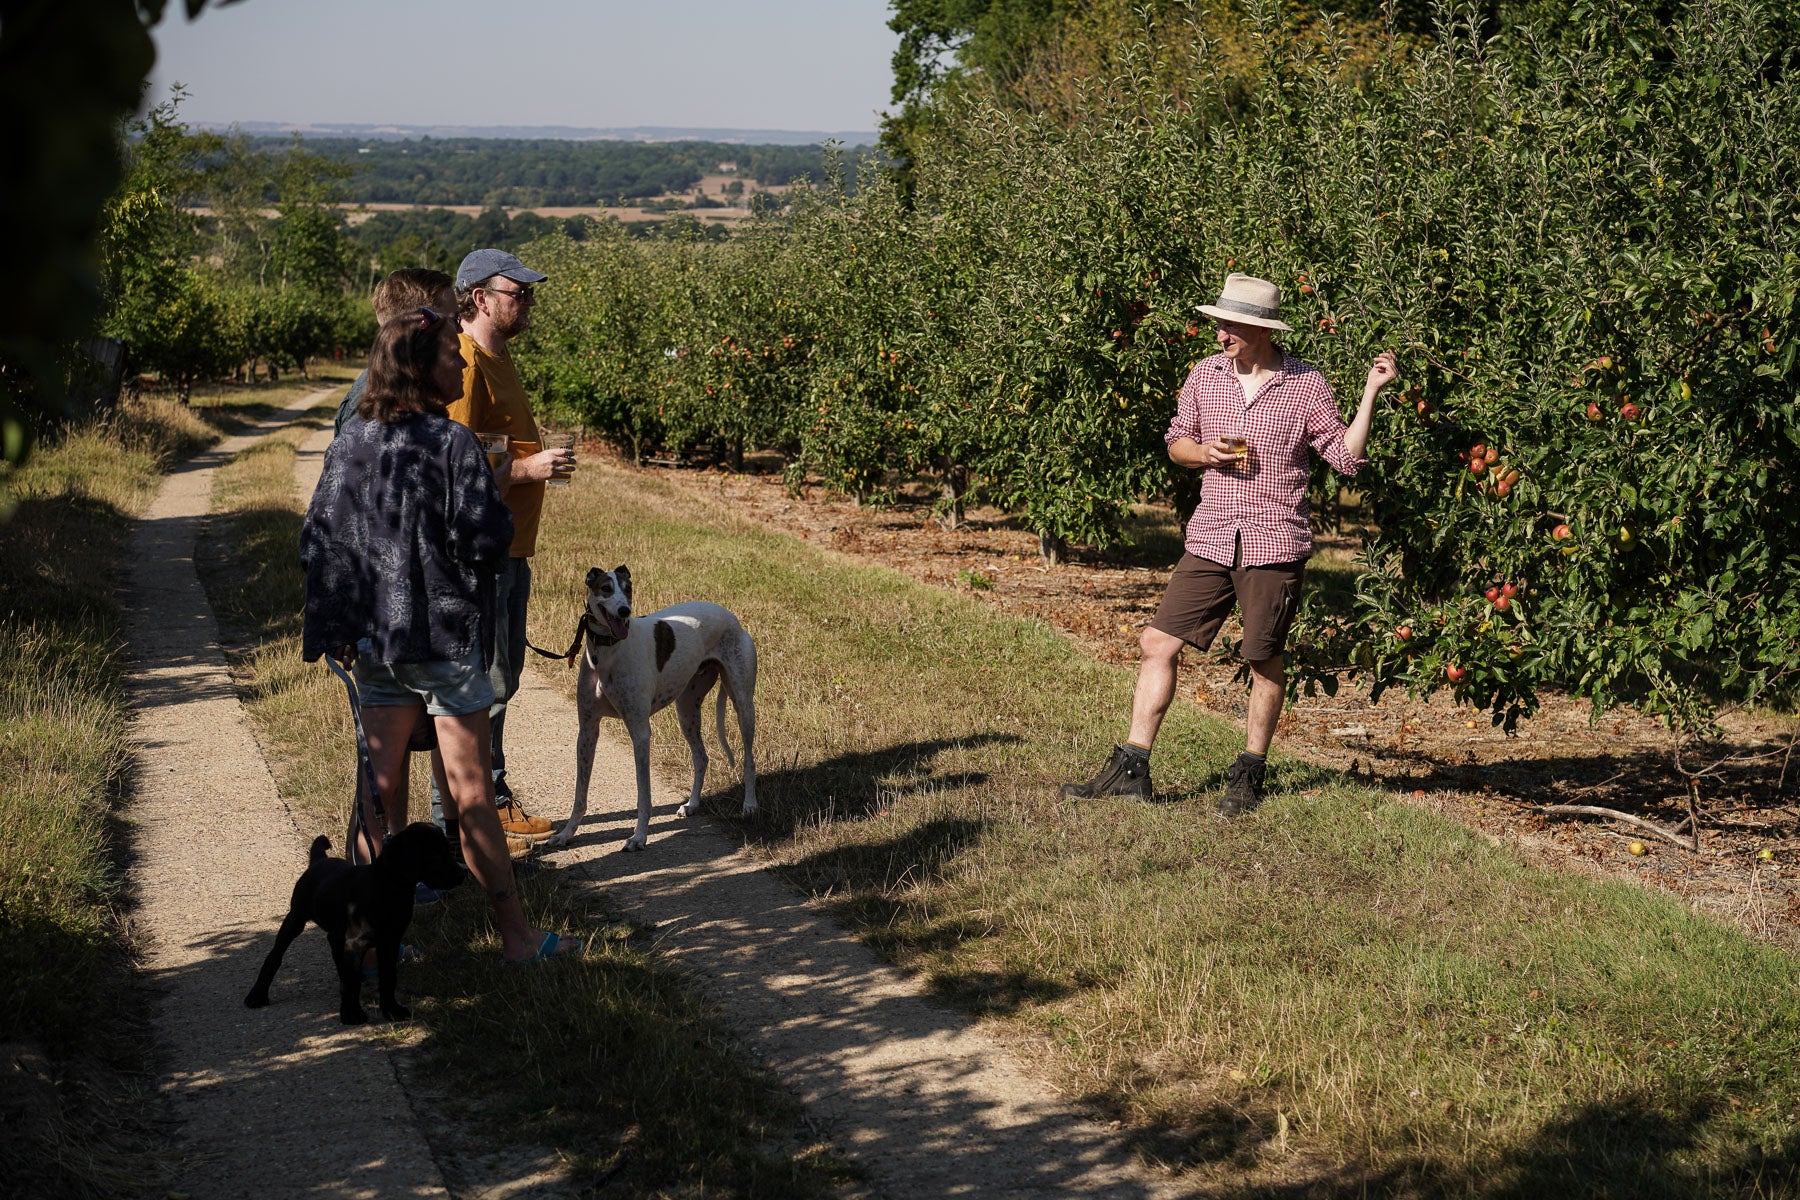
(71, 1081)
(613, 1060)
(1340, 994)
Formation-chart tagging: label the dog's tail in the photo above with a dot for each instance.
(320, 848)
(720, 711)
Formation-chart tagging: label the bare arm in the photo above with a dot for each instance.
(533, 468)
(1383, 372)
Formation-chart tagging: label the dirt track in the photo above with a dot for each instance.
(285, 1102)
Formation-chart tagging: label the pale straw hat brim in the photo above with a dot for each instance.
(1243, 318)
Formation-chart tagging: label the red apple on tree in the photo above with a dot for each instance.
(1454, 673)
(1562, 533)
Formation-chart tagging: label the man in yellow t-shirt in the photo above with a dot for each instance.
(495, 294)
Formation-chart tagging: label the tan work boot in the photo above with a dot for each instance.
(516, 823)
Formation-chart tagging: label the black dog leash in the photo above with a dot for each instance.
(584, 628)
(366, 766)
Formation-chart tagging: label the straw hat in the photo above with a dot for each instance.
(1248, 301)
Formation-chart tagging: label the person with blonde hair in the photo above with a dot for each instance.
(400, 291)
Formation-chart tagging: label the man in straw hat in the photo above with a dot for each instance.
(1250, 417)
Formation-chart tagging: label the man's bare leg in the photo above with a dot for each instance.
(1268, 692)
(1244, 781)
(1158, 664)
(1127, 772)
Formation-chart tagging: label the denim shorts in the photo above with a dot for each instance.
(452, 688)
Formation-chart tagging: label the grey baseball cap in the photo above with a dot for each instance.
(484, 264)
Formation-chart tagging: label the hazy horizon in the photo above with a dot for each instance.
(801, 66)
(387, 131)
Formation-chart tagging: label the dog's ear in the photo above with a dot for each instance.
(594, 576)
(622, 573)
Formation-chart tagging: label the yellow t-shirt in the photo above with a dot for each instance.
(493, 401)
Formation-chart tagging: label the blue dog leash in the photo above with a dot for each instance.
(366, 765)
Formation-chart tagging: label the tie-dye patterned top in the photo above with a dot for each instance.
(401, 542)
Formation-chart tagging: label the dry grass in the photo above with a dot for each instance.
(1338, 994)
(71, 1084)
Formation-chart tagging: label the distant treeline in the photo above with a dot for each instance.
(538, 172)
(438, 237)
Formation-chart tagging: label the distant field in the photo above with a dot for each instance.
(710, 185)
(361, 213)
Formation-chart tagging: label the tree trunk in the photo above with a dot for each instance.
(954, 487)
(1051, 549)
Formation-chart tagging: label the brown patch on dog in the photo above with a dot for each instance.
(665, 643)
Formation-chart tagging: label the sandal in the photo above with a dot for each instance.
(553, 946)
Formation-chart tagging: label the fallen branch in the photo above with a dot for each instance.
(1590, 810)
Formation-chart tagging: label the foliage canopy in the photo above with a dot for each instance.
(1595, 227)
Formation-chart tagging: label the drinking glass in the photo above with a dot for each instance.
(560, 441)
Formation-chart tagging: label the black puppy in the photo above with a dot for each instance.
(359, 907)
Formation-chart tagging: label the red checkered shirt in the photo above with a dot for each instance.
(1265, 500)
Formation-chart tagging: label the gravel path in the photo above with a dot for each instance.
(278, 1102)
(926, 1102)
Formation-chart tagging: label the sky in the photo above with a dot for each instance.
(739, 64)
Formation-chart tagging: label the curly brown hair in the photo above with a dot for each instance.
(402, 363)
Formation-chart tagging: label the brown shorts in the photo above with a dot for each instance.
(1200, 595)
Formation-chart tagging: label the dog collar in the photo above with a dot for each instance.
(598, 633)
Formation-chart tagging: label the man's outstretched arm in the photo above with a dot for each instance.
(1383, 372)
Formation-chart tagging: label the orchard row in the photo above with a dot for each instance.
(1589, 276)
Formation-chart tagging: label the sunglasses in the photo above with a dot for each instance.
(525, 293)
(428, 317)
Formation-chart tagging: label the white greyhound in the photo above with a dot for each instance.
(634, 666)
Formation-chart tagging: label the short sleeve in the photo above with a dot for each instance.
(470, 409)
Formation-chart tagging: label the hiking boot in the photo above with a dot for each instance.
(1125, 774)
(516, 823)
(1243, 786)
(518, 849)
